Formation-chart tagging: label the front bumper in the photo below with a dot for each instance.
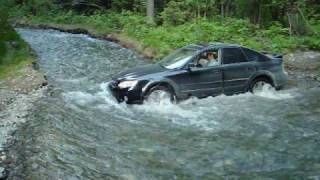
(132, 96)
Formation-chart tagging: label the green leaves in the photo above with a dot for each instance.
(12, 48)
(260, 24)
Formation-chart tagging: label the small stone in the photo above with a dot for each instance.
(3, 158)
(34, 166)
(2, 173)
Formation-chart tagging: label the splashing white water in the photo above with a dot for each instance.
(203, 113)
(79, 98)
(269, 92)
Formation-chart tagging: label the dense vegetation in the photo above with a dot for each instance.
(14, 52)
(277, 25)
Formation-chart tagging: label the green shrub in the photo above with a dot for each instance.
(13, 49)
(174, 13)
(312, 42)
(165, 38)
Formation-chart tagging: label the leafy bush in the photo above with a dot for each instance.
(13, 49)
(174, 13)
(165, 38)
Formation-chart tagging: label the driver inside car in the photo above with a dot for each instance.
(210, 59)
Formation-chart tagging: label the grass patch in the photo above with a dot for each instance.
(14, 52)
(12, 70)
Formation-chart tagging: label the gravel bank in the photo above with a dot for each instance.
(17, 95)
(303, 68)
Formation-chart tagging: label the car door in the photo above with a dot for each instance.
(200, 81)
(236, 70)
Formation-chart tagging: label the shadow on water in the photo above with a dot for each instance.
(81, 132)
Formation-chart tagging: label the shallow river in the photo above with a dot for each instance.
(78, 131)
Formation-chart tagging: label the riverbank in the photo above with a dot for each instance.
(303, 68)
(17, 94)
(121, 39)
(21, 84)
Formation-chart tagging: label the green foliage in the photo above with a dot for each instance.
(167, 37)
(13, 50)
(262, 25)
(311, 42)
(174, 14)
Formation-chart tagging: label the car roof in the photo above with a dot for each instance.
(210, 45)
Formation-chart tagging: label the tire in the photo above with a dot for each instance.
(257, 85)
(160, 95)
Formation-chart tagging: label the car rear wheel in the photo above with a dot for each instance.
(160, 95)
(259, 84)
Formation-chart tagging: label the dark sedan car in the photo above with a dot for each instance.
(200, 71)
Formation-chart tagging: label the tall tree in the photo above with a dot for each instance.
(150, 9)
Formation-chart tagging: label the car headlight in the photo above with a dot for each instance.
(127, 84)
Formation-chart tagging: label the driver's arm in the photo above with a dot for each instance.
(213, 62)
(203, 62)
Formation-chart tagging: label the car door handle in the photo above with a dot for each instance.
(251, 69)
(216, 71)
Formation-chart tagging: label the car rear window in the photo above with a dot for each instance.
(233, 55)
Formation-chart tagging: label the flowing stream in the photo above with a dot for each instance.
(78, 130)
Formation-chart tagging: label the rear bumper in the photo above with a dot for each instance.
(281, 80)
(133, 96)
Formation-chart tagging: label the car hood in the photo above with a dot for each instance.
(137, 72)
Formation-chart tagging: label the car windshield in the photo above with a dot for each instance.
(178, 58)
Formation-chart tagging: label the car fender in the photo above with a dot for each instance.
(154, 82)
(258, 74)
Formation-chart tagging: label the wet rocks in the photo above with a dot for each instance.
(17, 94)
(3, 158)
(14, 114)
(3, 173)
(303, 68)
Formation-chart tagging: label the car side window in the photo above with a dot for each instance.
(233, 55)
(251, 55)
(208, 58)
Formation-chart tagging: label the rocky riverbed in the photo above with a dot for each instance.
(303, 68)
(17, 95)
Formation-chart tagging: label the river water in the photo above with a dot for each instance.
(78, 131)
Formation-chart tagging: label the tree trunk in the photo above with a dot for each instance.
(259, 12)
(150, 10)
(222, 8)
(290, 24)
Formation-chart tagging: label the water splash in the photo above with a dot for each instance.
(269, 92)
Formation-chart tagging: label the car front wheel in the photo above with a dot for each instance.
(160, 95)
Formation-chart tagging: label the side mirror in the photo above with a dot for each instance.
(191, 66)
